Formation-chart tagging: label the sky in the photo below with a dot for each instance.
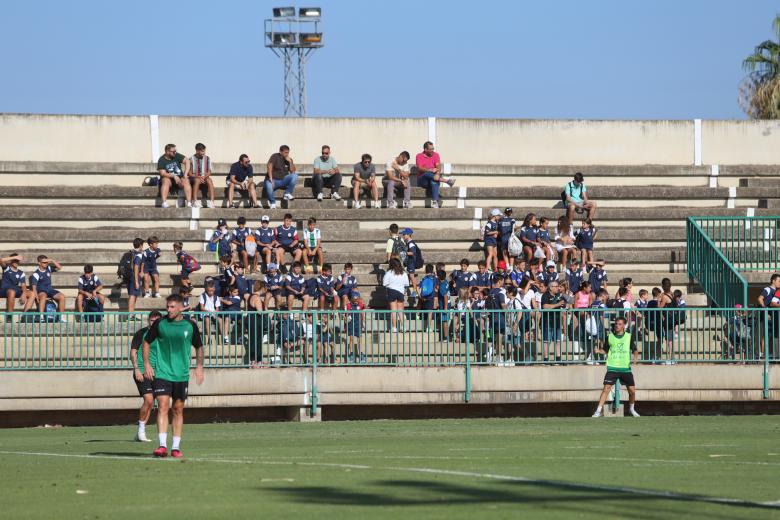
(565, 59)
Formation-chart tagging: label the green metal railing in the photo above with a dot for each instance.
(707, 264)
(748, 243)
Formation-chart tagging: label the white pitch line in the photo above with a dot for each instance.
(670, 461)
(669, 495)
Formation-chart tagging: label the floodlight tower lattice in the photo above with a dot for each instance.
(293, 39)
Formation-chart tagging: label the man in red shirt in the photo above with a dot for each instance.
(429, 172)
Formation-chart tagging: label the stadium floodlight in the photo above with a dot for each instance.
(293, 39)
(284, 12)
(310, 12)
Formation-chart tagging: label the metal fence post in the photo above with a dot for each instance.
(314, 394)
(467, 395)
(767, 343)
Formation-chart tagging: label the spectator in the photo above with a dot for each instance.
(429, 172)
(226, 278)
(496, 304)
(265, 237)
(151, 273)
(287, 240)
(584, 241)
(238, 239)
(428, 300)
(396, 246)
(413, 258)
(326, 173)
(295, 287)
(355, 328)
(550, 274)
(346, 285)
(576, 199)
(397, 175)
(769, 299)
(462, 278)
(201, 176)
(598, 275)
(173, 169)
(185, 293)
(312, 245)
(89, 286)
(241, 177)
(222, 239)
(364, 178)
(395, 282)
(231, 306)
(564, 240)
(188, 263)
(529, 236)
(575, 275)
(506, 226)
(490, 232)
(136, 276)
(543, 234)
(482, 276)
(242, 283)
(209, 304)
(552, 302)
(14, 284)
(326, 288)
(281, 174)
(738, 336)
(41, 286)
(273, 285)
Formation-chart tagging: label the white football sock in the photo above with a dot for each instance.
(176, 442)
(163, 439)
(141, 426)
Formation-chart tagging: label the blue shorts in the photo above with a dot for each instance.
(240, 249)
(395, 296)
(324, 338)
(185, 274)
(504, 244)
(498, 323)
(354, 328)
(551, 334)
(347, 291)
(410, 269)
(428, 304)
(275, 292)
(132, 290)
(151, 271)
(4, 290)
(296, 296)
(490, 242)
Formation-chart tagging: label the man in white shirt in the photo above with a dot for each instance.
(397, 175)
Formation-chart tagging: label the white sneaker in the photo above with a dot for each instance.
(434, 204)
(226, 339)
(265, 338)
(356, 205)
(589, 360)
(272, 205)
(633, 412)
(197, 204)
(157, 295)
(210, 204)
(319, 197)
(164, 205)
(393, 329)
(141, 437)
(288, 196)
(335, 196)
(392, 205)
(408, 205)
(188, 204)
(378, 204)
(147, 294)
(597, 413)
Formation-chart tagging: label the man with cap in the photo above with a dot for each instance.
(506, 226)
(490, 233)
(265, 237)
(412, 255)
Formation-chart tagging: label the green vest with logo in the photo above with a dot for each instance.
(619, 354)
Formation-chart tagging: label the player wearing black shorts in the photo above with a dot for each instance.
(144, 386)
(170, 374)
(620, 348)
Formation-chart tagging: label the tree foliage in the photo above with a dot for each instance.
(759, 92)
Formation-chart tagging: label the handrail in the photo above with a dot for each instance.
(707, 264)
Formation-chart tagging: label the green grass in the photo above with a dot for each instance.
(567, 468)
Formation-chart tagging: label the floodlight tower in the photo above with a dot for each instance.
(293, 39)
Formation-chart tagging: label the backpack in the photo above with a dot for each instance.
(427, 287)
(491, 302)
(125, 268)
(50, 313)
(189, 263)
(93, 310)
(418, 258)
(563, 193)
(400, 248)
(616, 303)
(515, 245)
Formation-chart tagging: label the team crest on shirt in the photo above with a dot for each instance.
(186, 334)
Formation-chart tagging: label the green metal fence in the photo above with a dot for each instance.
(748, 243)
(707, 264)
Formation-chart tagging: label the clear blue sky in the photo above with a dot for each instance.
(617, 59)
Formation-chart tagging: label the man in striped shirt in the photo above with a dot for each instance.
(200, 176)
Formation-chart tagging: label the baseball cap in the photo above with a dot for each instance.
(550, 263)
(508, 210)
(407, 231)
(221, 222)
(501, 264)
(273, 266)
(495, 212)
(738, 306)
(265, 218)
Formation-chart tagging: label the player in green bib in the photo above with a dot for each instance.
(144, 387)
(620, 348)
(170, 373)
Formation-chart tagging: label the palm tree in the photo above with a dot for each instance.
(759, 92)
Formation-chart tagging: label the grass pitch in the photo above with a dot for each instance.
(647, 468)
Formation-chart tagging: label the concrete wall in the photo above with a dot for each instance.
(83, 138)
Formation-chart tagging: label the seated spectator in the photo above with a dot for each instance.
(14, 284)
(287, 240)
(429, 172)
(173, 169)
(281, 174)
(200, 176)
(397, 176)
(295, 287)
(364, 179)
(346, 285)
(575, 195)
(41, 286)
(89, 287)
(274, 282)
(326, 173)
(326, 288)
(312, 245)
(265, 238)
(241, 177)
(238, 240)
(564, 241)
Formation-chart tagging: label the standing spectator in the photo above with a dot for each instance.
(210, 305)
(397, 175)
(136, 277)
(506, 226)
(769, 299)
(188, 263)
(14, 284)
(151, 273)
(490, 232)
(576, 199)
(395, 283)
(462, 278)
(326, 173)
(173, 169)
(364, 178)
(287, 240)
(564, 240)
(241, 177)
(41, 286)
(201, 176)
(89, 286)
(429, 172)
(428, 300)
(584, 241)
(312, 245)
(482, 276)
(281, 174)
(355, 328)
(265, 237)
(413, 258)
(396, 246)
(274, 282)
(552, 303)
